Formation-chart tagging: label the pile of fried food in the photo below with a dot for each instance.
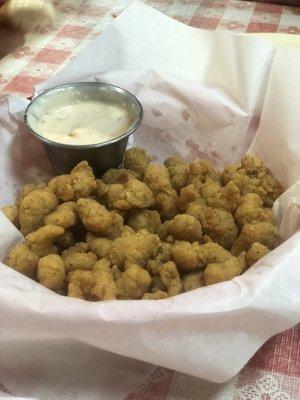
(145, 231)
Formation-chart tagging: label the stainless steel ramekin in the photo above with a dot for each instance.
(101, 156)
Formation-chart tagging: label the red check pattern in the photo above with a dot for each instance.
(274, 372)
(79, 22)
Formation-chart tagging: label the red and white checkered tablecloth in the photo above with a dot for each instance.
(274, 372)
(78, 22)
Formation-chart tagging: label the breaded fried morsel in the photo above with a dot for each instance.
(80, 183)
(135, 248)
(193, 280)
(167, 203)
(251, 210)
(136, 159)
(219, 225)
(202, 171)
(35, 207)
(178, 171)
(79, 258)
(171, 279)
(261, 232)
(133, 283)
(221, 264)
(255, 253)
(133, 194)
(144, 231)
(144, 219)
(118, 175)
(65, 215)
(185, 227)
(95, 217)
(157, 178)
(189, 194)
(51, 271)
(23, 260)
(42, 240)
(104, 287)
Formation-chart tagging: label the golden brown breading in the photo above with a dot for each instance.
(80, 284)
(188, 194)
(51, 272)
(252, 164)
(136, 159)
(251, 209)
(193, 280)
(228, 174)
(133, 283)
(23, 260)
(104, 287)
(117, 227)
(159, 295)
(162, 255)
(80, 183)
(195, 208)
(219, 272)
(157, 178)
(210, 190)
(272, 188)
(34, 207)
(178, 172)
(255, 253)
(144, 219)
(133, 194)
(83, 180)
(12, 213)
(62, 187)
(94, 216)
(102, 265)
(65, 215)
(41, 240)
(141, 252)
(163, 232)
(99, 246)
(188, 256)
(78, 257)
(226, 197)
(221, 264)
(135, 248)
(185, 227)
(219, 225)
(201, 171)
(102, 189)
(261, 232)
(120, 175)
(167, 203)
(254, 177)
(170, 277)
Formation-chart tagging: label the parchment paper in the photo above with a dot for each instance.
(204, 94)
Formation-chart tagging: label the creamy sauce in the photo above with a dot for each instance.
(83, 122)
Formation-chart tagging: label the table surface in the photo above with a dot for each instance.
(274, 372)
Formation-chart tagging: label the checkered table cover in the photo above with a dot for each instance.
(274, 372)
(79, 21)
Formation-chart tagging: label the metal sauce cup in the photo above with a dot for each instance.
(101, 156)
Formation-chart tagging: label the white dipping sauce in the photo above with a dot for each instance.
(83, 122)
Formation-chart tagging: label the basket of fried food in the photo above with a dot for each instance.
(144, 231)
